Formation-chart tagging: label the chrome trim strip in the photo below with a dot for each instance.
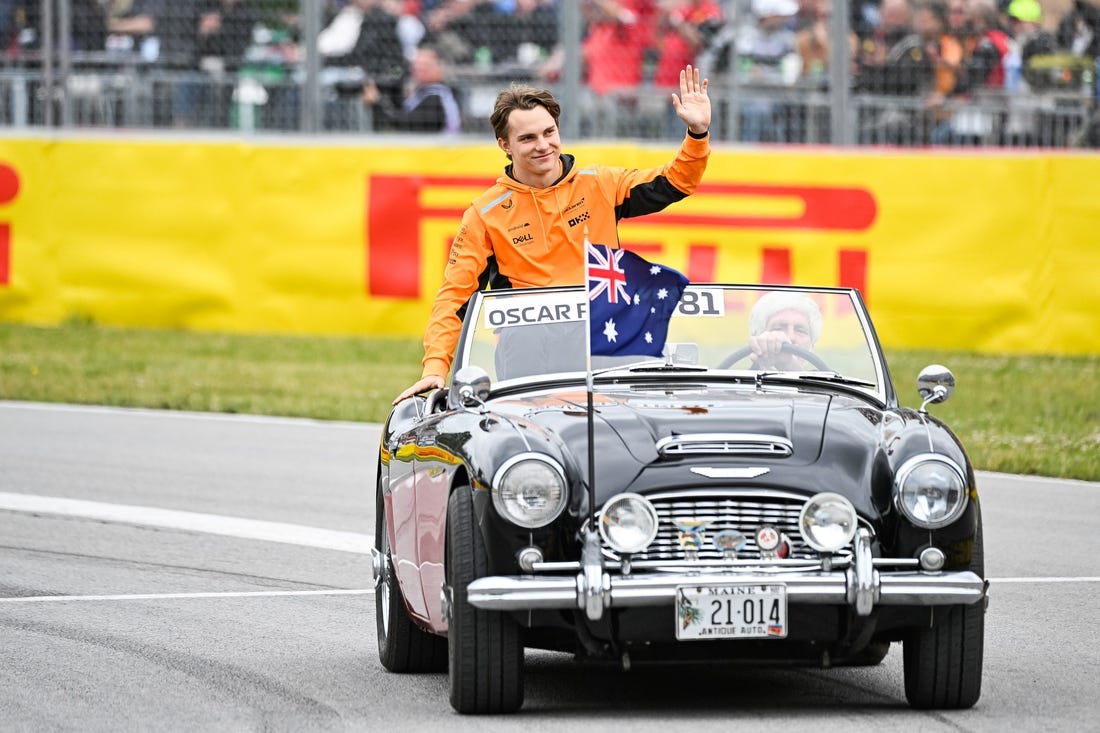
(730, 473)
(521, 593)
(727, 492)
(776, 565)
(738, 444)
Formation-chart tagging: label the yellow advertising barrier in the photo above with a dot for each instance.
(987, 252)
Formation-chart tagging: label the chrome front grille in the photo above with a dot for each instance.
(741, 510)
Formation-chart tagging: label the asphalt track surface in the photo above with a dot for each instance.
(181, 571)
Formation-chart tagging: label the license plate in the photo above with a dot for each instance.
(741, 611)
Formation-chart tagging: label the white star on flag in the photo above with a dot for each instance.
(655, 270)
(662, 293)
(609, 331)
(648, 337)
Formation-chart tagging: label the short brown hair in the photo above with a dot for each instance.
(521, 96)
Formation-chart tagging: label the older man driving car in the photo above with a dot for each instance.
(780, 318)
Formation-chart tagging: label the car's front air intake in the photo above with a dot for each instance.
(729, 444)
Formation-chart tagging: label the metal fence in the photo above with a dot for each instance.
(302, 66)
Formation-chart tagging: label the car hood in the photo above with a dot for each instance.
(834, 432)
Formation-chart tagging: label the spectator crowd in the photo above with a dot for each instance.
(937, 71)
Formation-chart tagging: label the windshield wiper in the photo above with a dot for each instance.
(648, 366)
(667, 368)
(822, 377)
(836, 378)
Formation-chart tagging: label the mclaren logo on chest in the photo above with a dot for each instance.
(746, 472)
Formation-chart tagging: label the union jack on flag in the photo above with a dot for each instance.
(630, 302)
(606, 274)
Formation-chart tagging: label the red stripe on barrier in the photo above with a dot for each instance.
(702, 263)
(393, 237)
(775, 268)
(649, 250)
(5, 254)
(853, 269)
(827, 208)
(9, 183)
(9, 190)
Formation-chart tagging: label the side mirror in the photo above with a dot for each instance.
(935, 384)
(469, 388)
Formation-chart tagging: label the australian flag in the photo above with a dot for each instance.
(630, 302)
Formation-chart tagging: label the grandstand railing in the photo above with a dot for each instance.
(125, 89)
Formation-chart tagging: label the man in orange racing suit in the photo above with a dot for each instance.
(528, 229)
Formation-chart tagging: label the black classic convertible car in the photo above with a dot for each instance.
(756, 494)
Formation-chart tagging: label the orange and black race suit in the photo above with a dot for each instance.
(520, 236)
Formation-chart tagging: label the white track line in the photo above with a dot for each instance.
(1082, 579)
(249, 529)
(186, 415)
(176, 596)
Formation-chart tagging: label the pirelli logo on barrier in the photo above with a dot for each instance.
(396, 209)
(9, 190)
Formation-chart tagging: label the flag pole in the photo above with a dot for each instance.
(589, 385)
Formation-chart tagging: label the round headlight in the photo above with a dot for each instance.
(628, 523)
(529, 490)
(827, 522)
(930, 491)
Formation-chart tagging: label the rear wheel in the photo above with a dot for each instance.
(484, 648)
(943, 663)
(402, 645)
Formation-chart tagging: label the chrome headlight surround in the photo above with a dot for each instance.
(628, 523)
(529, 490)
(930, 490)
(828, 521)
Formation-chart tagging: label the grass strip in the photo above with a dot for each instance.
(1017, 414)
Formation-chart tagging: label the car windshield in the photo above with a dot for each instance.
(525, 334)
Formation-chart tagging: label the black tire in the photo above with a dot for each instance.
(484, 648)
(402, 645)
(943, 663)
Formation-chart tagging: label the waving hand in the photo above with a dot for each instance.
(692, 105)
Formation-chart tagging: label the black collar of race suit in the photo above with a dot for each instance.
(567, 162)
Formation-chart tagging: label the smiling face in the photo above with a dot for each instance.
(533, 146)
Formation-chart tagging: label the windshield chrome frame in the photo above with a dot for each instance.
(882, 391)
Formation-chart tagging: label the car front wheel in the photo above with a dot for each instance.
(402, 645)
(943, 663)
(485, 652)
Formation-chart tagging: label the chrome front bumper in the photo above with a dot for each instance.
(861, 585)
